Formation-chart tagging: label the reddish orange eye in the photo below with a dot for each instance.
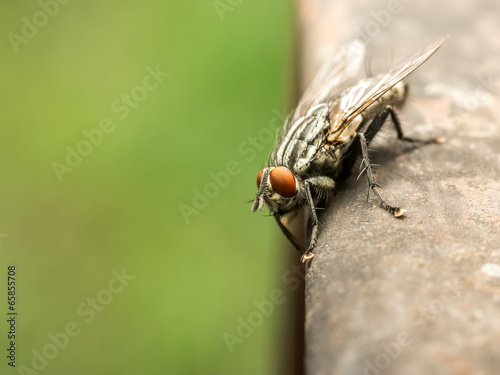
(259, 178)
(283, 182)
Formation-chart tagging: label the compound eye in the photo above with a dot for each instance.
(283, 182)
(259, 177)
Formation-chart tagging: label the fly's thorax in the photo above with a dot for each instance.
(319, 110)
(302, 139)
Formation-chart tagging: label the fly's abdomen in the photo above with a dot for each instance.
(395, 97)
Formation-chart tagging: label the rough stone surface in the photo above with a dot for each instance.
(418, 295)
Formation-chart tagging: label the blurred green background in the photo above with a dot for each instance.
(229, 65)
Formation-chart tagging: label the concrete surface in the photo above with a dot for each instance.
(419, 295)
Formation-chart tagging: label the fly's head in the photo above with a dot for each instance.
(279, 188)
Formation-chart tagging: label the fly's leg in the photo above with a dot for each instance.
(288, 234)
(382, 116)
(323, 183)
(372, 184)
(366, 136)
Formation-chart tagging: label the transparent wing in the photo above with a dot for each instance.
(329, 81)
(360, 97)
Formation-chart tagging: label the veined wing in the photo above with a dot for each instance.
(329, 81)
(361, 97)
(333, 77)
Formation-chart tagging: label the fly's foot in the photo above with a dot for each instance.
(306, 256)
(396, 211)
(437, 140)
(400, 212)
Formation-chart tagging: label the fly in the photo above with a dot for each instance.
(333, 124)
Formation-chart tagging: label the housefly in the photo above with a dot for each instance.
(333, 124)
